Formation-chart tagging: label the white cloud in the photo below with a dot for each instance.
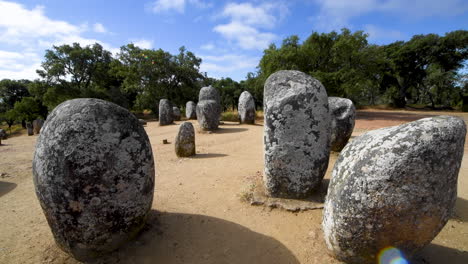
(143, 43)
(247, 23)
(228, 64)
(161, 6)
(379, 33)
(99, 28)
(208, 46)
(26, 33)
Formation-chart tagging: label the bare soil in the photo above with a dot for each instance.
(199, 214)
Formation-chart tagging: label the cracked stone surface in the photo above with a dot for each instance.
(166, 116)
(93, 173)
(191, 110)
(176, 113)
(342, 116)
(185, 140)
(393, 186)
(208, 108)
(296, 134)
(246, 108)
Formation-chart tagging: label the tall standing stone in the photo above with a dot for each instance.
(37, 125)
(297, 134)
(209, 108)
(393, 187)
(176, 113)
(93, 172)
(166, 116)
(29, 127)
(191, 110)
(246, 108)
(342, 115)
(185, 140)
(3, 135)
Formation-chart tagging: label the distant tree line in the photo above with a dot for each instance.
(424, 70)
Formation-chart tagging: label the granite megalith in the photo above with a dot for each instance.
(176, 113)
(246, 108)
(342, 116)
(3, 135)
(296, 134)
(93, 173)
(208, 108)
(37, 125)
(393, 187)
(191, 110)
(166, 115)
(185, 140)
(29, 128)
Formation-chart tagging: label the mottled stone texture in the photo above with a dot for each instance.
(142, 122)
(185, 140)
(93, 172)
(297, 134)
(342, 115)
(176, 113)
(191, 110)
(29, 127)
(166, 116)
(246, 108)
(208, 108)
(37, 125)
(3, 135)
(394, 186)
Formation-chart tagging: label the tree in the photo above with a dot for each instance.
(12, 91)
(27, 109)
(10, 117)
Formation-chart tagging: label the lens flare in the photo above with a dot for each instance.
(391, 255)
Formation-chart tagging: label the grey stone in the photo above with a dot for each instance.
(394, 186)
(29, 128)
(297, 134)
(166, 116)
(176, 113)
(246, 108)
(185, 140)
(142, 122)
(93, 172)
(342, 115)
(191, 110)
(209, 108)
(37, 125)
(3, 134)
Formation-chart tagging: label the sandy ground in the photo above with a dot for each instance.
(198, 215)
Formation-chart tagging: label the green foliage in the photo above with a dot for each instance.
(28, 109)
(12, 91)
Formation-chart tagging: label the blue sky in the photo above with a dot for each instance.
(228, 35)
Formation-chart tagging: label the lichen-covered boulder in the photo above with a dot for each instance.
(393, 187)
(176, 113)
(93, 172)
(166, 116)
(342, 115)
(246, 108)
(29, 128)
(191, 110)
(37, 125)
(296, 134)
(208, 108)
(185, 140)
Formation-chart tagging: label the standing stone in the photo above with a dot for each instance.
(37, 125)
(166, 116)
(191, 110)
(142, 122)
(209, 108)
(29, 127)
(395, 187)
(93, 172)
(342, 115)
(185, 140)
(246, 108)
(176, 113)
(3, 135)
(297, 134)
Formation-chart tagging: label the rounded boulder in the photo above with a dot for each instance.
(176, 113)
(93, 172)
(191, 110)
(393, 187)
(208, 108)
(342, 116)
(296, 134)
(185, 140)
(246, 108)
(166, 115)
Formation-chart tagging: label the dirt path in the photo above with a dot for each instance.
(198, 215)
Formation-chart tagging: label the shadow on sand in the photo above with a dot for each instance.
(226, 130)
(400, 116)
(207, 155)
(461, 210)
(437, 254)
(189, 238)
(6, 187)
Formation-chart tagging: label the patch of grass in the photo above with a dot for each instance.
(232, 116)
(15, 129)
(247, 195)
